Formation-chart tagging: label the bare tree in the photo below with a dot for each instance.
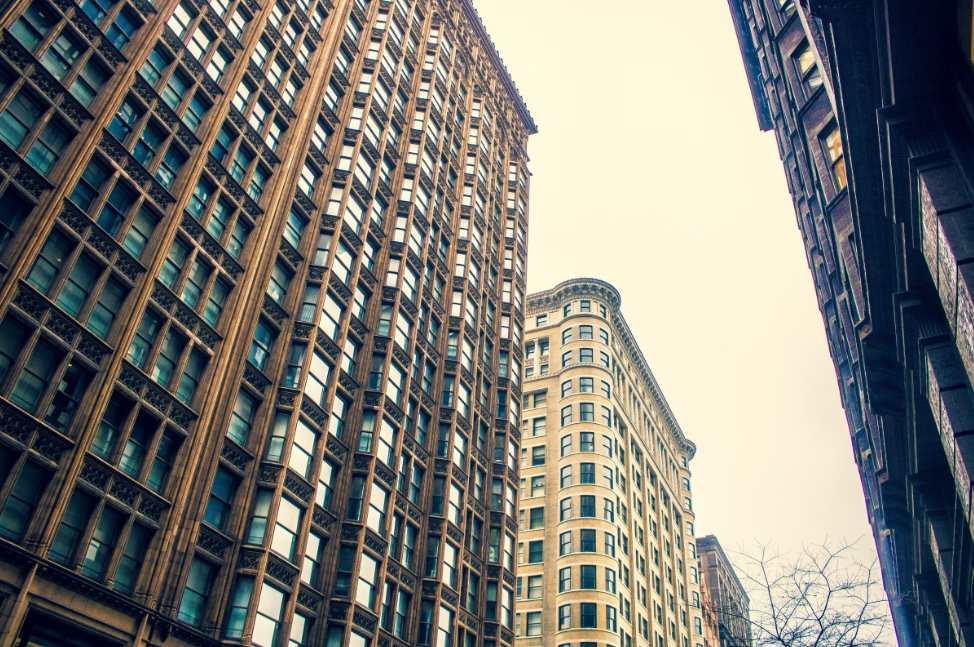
(825, 596)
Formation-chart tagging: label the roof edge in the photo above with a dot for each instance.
(495, 56)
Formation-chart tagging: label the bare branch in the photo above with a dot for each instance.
(825, 596)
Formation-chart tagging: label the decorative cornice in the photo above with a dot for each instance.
(495, 57)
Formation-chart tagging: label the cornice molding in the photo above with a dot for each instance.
(495, 57)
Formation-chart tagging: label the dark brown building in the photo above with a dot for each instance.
(872, 104)
(725, 601)
(261, 292)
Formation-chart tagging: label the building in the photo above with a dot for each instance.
(711, 621)
(606, 553)
(725, 600)
(261, 291)
(871, 106)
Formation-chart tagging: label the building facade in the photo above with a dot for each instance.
(606, 554)
(725, 601)
(871, 105)
(261, 302)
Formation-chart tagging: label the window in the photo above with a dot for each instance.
(18, 509)
(196, 592)
(536, 516)
(538, 455)
(242, 418)
(587, 412)
(564, 617)
(588, 611)
(566, 416)
(14, 209)
(302, 449)
(365, 593)
(29, 127)
(221, 498)
(587, 580)
(286, 529)
(270, 608)
(376, 518)
(566, 476)
(587, 506)
(586, 441)
(587, 473)
(831, 139)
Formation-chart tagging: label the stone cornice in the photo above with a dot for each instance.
(571, 290)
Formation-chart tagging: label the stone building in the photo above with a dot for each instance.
(872, 105)
(261, 292)
(726, 601)
(606, 553)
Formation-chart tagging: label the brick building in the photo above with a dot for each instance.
(726, 600)
(261, 291)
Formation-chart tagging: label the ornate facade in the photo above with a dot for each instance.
(261, 292)
(871, 104)
(606, 555)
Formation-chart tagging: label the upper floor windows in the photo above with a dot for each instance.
(167, 355)
(140, 444)
(195, 279)
(150, 142)
(831, 140)
(64, 53)
(807, 68)
(115, 205)
(78, 283)
(220, 215)
(39, 375)
(30, 126)
(241, 161)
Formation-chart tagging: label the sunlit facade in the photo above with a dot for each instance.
(261, 311)
(606, 554)
(871, 105)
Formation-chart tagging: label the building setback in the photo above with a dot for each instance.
(261, 290)
(871, 104)
(606, 554)
(725, 597)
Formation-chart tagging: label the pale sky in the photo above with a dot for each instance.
(649, 172)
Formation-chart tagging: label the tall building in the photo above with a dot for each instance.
(261, 291)
(871, 104)
(606, 554)
(725, 600)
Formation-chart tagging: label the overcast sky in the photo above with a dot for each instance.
(650, 173)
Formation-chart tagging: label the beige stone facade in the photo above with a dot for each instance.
(606, 554)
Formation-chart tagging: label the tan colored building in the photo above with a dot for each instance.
(606, 555)
(261, 292)
(727, 599)
(711, 621)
